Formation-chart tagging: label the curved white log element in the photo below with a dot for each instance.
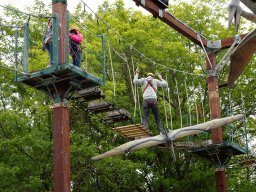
(175, 134)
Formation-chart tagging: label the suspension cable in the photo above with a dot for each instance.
(134, 93)
(165, 109)
(38, 16)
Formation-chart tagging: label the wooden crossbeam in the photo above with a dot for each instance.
(247, 162)
(132, 131)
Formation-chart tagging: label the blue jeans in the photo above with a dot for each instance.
(155, 110)
(50, 51)
(77, 58)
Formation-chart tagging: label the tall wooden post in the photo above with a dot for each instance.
(61, 108)
(214, 101)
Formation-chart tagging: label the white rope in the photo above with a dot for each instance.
(189, 111)
(177, 88)
(195, 99)
(169, 98)
(112, 69)
(134, 91)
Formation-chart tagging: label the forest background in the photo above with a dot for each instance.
(26, 122)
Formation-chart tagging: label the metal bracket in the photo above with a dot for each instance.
(220, 169)
(227, 55)
(61, 104)
(143, 2)
(212, 73)
(213, 47)
(160, 12)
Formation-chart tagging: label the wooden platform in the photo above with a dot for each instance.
(65, 75)
(247, 162)
(132, 131)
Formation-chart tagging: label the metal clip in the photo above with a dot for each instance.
(160, 13)
(143, 2)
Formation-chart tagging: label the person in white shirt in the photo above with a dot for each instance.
(149, 89)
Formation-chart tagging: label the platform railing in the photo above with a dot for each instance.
(25, 53)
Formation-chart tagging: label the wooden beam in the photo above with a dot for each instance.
(172, 21)
(226, 43)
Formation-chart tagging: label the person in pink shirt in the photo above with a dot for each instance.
(75, 39)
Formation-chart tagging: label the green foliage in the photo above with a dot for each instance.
(26, 133)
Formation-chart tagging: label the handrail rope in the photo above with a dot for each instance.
(112, 69)
(169, 98)
(116, 52)
(134, 47)
(38, 16)
(91, 52)
(201, 96)
(83, 28)
(177, 88)
(194, 91)
(85, 38)
(189, 111)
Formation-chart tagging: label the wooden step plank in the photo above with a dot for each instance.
(247, 162)
(132, 131)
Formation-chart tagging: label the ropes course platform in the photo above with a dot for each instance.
(219, 154)
(132, 131)
(89, 94)
(100, 106)
(63, 76)
(116, 115)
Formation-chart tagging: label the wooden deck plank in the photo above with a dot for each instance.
(132, 131)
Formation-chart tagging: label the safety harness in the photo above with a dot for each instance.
(150, 84)
(74, 45)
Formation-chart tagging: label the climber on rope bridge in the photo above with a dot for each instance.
(149, 87)
(75, 45)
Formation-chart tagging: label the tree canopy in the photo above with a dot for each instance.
(26, 122)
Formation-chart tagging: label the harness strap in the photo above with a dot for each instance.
(149, 83)
(73, 42)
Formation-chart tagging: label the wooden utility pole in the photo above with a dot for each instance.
(214, 101)
(61, 108)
